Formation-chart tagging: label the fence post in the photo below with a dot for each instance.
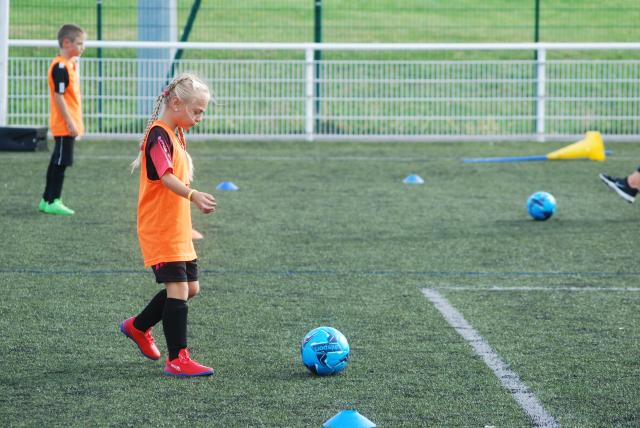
(309, 80)
(536, 24)
(156, 22)
(195, 7)
(99, 55)
(317, 38)
(4, 61)
(540, 93)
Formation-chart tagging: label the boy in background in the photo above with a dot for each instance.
(65, 119)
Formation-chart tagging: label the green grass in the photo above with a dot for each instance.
(358, 20)
(326, 233)
(354, 21)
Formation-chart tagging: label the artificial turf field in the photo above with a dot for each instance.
(327, 234)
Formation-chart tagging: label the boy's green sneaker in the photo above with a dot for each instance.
(58, 208)
(42, 206)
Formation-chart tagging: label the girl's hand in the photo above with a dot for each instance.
(205, 202)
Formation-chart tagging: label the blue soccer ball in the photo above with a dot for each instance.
(324, 351)
(541, 205)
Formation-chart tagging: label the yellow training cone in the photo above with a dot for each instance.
(590, 147)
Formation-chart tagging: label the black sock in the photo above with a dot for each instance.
(174, 323)
(152, 314)
(47, 183)
(55, 178)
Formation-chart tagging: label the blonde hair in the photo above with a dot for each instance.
(70, 32)
(185, 87)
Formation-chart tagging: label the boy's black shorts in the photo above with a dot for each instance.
(63, 151)
(176, 271)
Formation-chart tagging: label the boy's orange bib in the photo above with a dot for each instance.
(164, 218)
(71, 97)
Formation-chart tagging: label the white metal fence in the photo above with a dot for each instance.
(357, 99)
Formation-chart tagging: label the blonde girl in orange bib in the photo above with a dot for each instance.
(164, 222)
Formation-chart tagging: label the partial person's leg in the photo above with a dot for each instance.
(625, 187)
(194, 288)
(634, 179)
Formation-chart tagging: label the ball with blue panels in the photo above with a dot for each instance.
(324, 351)
(541, 205)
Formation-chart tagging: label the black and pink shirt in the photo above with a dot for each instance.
(159, 153)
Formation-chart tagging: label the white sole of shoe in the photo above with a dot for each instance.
(612, 185)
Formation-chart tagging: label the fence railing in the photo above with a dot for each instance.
(355, 99)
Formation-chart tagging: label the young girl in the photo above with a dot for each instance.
(164, 223)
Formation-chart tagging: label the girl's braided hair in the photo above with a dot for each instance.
(186, 86)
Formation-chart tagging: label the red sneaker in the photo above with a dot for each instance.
(143, 339)
(184, 366)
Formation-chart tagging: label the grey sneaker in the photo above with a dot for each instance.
(620, 186)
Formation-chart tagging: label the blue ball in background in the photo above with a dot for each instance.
(541, 205)
(324, 351)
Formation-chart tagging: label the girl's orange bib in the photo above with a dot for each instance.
(164, 218)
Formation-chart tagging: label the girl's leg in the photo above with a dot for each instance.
(152, 313)
(194, 288)
(174, 317)
(174, 321)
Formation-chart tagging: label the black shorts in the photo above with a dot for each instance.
(63, 151)
(176, 271)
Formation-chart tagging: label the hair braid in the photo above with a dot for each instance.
(154, 116)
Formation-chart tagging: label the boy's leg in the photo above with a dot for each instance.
(61, 158)
(55, 179)
(46, 195)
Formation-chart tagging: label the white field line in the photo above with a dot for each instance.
(509, 379)
(546, 289)
(268, 158)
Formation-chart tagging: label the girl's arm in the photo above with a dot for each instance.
(204, 201)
